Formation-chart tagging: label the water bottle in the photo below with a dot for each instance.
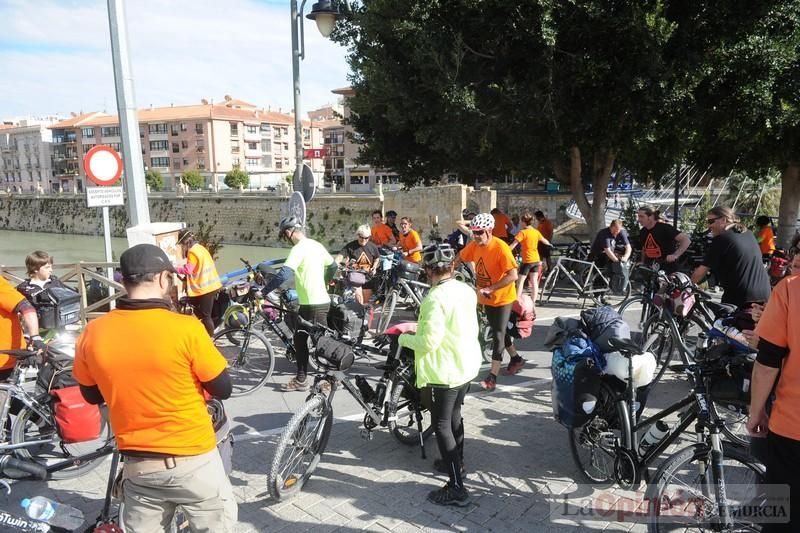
(380, 391)
(653, 436)
(56, 514)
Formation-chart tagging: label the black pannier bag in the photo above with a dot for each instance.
(334, 353)
(408, 271)
(731, 386)
(57, 307)
(55, 376)
(347, 318)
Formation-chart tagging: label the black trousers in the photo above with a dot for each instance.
(203, 305)
(783, 467)
(498, 320)
(449, 428)
(313, 313)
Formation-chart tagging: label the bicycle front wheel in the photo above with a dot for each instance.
(405, 414)
(387, 312)
(684, 497)
(50, 449)
(300, 448)
(250, 358)
(546, 290)
(592, 444)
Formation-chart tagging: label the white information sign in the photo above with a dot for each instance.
(104, 196)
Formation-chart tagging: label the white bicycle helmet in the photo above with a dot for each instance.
(681, 280)
(482, 221)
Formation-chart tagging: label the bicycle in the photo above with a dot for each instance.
(606, 448)
(395, 403)
(586, 278)
(405, 285)
(35, 438)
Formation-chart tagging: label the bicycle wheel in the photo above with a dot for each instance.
(616, 299)
(682, 495)
(403, 415)
(300, 447)
(250, 358)
(592, 444)
(658, 341)
(546, 291)
(486, 340)
(634, 311)
(387, 312)
(735, 420)
(29, 426)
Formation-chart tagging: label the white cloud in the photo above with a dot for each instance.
(56, 55)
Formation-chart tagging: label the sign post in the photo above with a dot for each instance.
(103, 166)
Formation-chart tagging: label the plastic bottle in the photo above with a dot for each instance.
(653, 436)
(380, 391)
(56, 514)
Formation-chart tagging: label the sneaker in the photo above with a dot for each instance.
(440, 466)
(448, 495)
(296, 385)
(514, 366)
(488, 384)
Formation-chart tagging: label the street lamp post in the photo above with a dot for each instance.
(324, 13)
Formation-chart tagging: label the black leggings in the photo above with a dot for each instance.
(449, 427)
(498, 320)
(313, 313)
(203, 305)
(783, 468)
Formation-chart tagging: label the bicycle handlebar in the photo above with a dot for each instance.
(20, 354)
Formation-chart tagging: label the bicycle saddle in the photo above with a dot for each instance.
(625, 346)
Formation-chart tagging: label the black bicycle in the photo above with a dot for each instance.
(395, 403)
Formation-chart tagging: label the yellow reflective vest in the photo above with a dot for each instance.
(204, 279)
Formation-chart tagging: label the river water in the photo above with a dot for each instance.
(15, 245)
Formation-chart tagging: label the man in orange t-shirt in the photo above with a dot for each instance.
(778, 332)
(502, 225)
(12, 305)
(152, 367)
(381, 233)
(545, 227)
(410, 241)
(495, 273)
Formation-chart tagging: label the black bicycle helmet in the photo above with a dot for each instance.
(438, 255)
(290, 222)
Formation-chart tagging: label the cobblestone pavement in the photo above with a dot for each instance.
(520, 470)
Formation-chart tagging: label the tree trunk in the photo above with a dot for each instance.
(593, 213)
(790, 202)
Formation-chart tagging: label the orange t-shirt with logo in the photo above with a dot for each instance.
(528, 239)
(780, 325)
(10, 327)
(381, 234)
(501, 221)
(149, 365)
(409, 241)
(491, 264)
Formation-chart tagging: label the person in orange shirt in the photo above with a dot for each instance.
(410, 241)
(545, 227)
(495, 273)
(502, 225)
(202, 279)
(381, 233)
(13, 305)
(152, 367)
(765, 236)
(529, 239)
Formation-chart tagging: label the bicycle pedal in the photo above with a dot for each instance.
(366, 434)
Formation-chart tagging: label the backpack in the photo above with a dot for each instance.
(522, 317)
(77, 420)
(347, 318)
(603, 323)
(577, 374)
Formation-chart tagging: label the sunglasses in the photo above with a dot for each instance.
(478, 233)
(712, 220)
(362, 237)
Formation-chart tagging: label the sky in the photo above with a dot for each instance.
(56, 55)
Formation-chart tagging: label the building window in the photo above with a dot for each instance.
(184, 144)
(176, 148)
(159, 145)
(266, 147)
(251, 163)
(201, 165)
(266, 129)
(110, 131)
(236, 162)
(87, 132)
(200, 145)
(252, 130)
(266, 161)
(173, 129)
(86, 148)
(157, 128)
(184, 127)
(185, 162)
(306, 134)
(162, 162)
(252, 146)
(234, 130)
(278, 165)
(198, 128)
(176, 164)
(115, 146)
(235, 146)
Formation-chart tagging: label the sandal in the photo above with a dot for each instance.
(295, 385)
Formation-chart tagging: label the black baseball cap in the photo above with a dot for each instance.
(391, 213)
(144, 259)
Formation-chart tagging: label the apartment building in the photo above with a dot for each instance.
(25, 154)
(210, 138)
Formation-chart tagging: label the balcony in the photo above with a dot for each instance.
(159, 153)
(252, 137)
(249, 152)
(158, 136)
(109, 140)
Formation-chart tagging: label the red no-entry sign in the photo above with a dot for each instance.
(103, 165)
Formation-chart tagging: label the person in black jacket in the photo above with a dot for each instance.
(39, 265)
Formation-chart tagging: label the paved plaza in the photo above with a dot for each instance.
(520, 470)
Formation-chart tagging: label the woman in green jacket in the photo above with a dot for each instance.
(447, 358)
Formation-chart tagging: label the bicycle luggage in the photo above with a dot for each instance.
(603, 323)
(333, 353)
(408, 271)
(55, 376)
(57, 307)
(347, 318)
(77, 420)
(522, 318)
(577, 372)
(731, 387)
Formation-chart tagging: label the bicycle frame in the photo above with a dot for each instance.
(584, 282)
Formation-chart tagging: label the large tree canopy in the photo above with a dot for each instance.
(494, 87)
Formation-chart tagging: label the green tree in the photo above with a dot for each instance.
(206, 237)
(193, 179)
(237, 178)
(575, 89)
(154, 180)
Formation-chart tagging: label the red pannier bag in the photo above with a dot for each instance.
(77, 419)
(522, 317)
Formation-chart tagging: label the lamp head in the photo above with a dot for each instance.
(324, 13)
